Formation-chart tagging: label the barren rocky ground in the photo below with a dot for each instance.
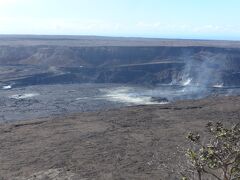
(141, 142)
(44, 76)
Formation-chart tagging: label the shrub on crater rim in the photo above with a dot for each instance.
(219, 158)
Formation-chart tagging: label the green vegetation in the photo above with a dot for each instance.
(218, 158)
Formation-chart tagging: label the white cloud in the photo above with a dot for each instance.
(56, 26)
(28, 25)
(187, 28)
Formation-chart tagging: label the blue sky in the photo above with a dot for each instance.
(197, 19)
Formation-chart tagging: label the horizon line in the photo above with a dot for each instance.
(122, 36)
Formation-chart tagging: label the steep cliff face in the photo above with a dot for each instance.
(111, 64)
(87, 56)
(112, 56)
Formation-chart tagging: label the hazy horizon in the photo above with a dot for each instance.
(112, 36)
(173, 19)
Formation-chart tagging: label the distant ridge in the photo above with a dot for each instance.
(92, 41)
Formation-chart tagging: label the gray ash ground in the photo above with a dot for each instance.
(137, 143)
(39, 101)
